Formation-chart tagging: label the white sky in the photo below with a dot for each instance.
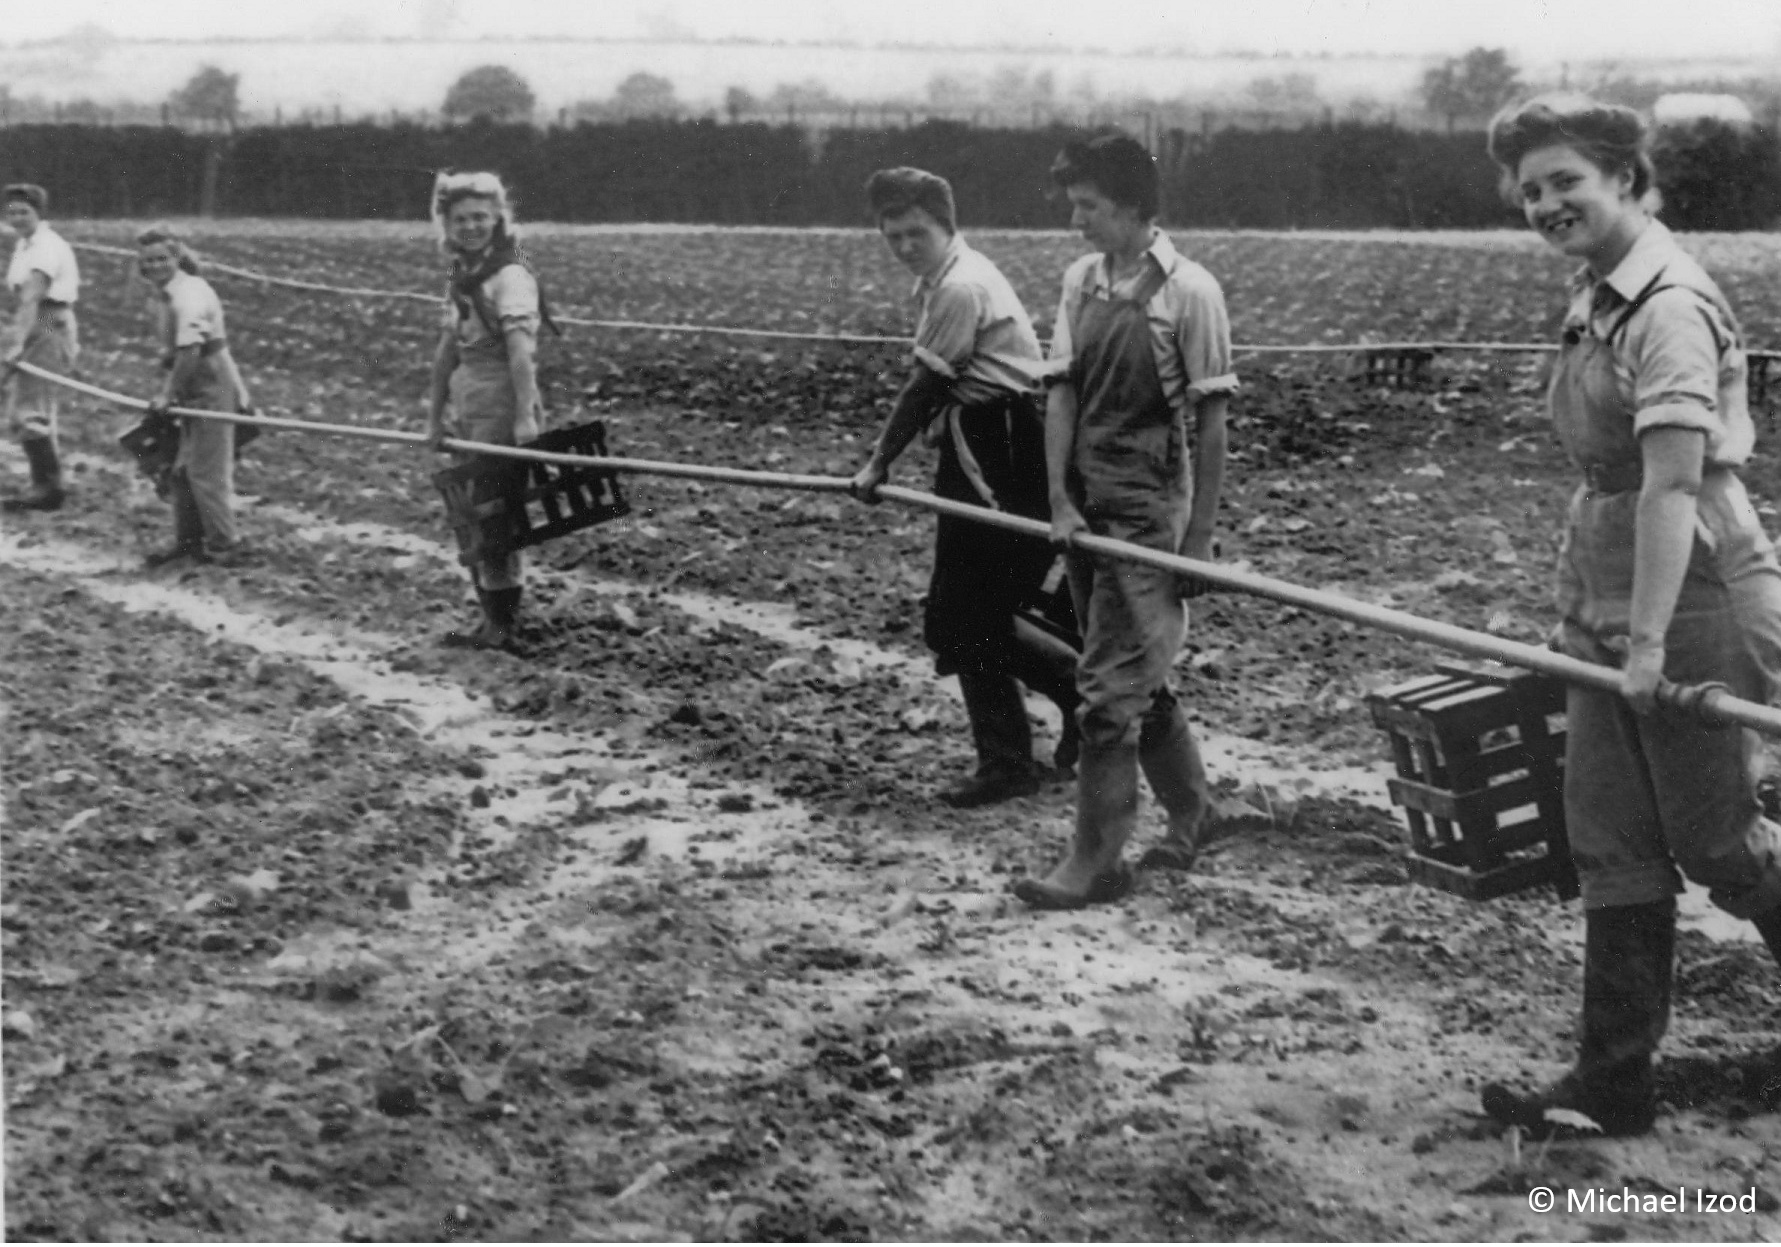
(1535, 31)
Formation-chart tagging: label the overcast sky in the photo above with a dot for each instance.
(1534, 30)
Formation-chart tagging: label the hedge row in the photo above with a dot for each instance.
(1346, 176)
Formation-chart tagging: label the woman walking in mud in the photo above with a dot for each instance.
(201, 373)
(45, 281)
(1666, 573)
(485, 363)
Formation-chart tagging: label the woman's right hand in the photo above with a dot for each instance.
(1066, 523)
(436, 436)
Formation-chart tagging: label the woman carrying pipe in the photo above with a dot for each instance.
(45, 280)
(201, 373)
(1666, 573)
(485, 366)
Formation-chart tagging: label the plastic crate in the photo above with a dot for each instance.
(1480, 760)
(496, 506)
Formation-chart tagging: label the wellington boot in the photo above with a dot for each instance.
(1171, 762)
(1004, 742)
(1628, 957)
(502, 606)
(46, 492)
(475, 637)
(1106, 812)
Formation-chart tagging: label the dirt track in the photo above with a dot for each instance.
(313, 929)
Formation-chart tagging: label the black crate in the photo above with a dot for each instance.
(496, 506)
(1480, 758)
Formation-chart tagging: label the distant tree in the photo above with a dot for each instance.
(208, 95)
(492, 92)
(739, 103)
(645, 95)
(1472, 86)
(1293, 94)
(808, 96)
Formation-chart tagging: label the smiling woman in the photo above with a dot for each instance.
(1665, 572)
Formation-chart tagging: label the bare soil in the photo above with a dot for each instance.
(313, 929)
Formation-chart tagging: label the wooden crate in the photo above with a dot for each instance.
(496, 506)
(1399, 367)
(1480, 759)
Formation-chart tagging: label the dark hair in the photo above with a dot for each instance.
(1116, 164)
(892, 192)
(1609, 136)
(30, 193)
(167, 236)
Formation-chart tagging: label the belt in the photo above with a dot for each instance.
(1613, 478)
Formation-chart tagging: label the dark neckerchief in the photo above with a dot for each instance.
(467, 280)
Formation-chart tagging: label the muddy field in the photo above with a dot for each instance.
(313, 929)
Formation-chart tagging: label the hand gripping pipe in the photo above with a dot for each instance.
(1711, 702)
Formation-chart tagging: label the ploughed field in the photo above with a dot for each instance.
(315, 929)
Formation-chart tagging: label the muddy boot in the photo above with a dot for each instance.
(502, 606)
(1004, 743)
(46, 493)
(1171, 762)
(474, 637)
(188, 525)
(1106, 812)
(1048, 667)
(1628, 955)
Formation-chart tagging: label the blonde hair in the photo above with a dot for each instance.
(451, 188)
(166, 235)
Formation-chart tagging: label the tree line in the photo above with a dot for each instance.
(1352, 175)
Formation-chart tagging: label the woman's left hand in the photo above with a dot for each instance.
(529, 425)
(1641, 676)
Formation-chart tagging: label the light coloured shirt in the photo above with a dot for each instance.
(973, 330)
(1190, 331)
(1679, 361)
(46, 252)
(512, 296)
(190, 313)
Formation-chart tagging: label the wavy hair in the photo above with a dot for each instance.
(1114, 163)
(1611, 137)
(451, 187)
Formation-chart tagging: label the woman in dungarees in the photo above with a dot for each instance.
(1143, 355)
(484, 366)
(201, 373)
(1666, 573)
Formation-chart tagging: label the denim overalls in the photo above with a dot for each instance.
(1646, 795)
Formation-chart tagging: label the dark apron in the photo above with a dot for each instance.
(982, 575)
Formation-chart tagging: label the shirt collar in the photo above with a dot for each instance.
(1644, 260)
(954, 250)
(1160, 250)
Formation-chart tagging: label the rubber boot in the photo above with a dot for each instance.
(1048, 666)
(1171, 762)
(1004, 742)
(1106, 813)
(502, 607)
(46, 493)
(473, 639)
(1628, 956)
(188, 524)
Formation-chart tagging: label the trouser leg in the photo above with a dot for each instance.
(1628, 960)
(208, 452)
(188, 518)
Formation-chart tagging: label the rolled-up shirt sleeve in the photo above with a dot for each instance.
(947, 336)
(1674, 346)
(513, 294)
(1203, 337)
(1061, 351)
